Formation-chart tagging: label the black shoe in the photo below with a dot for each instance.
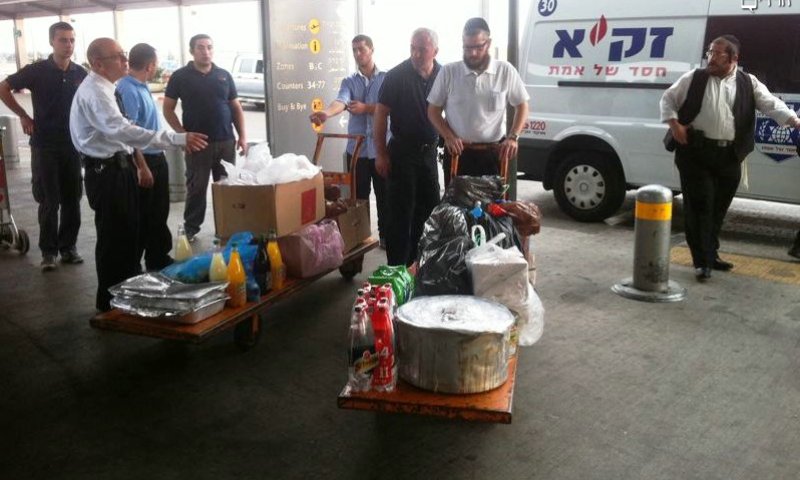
(48, 263)
(71, 257)
(794, 251)
(702, 274)
(722, 265)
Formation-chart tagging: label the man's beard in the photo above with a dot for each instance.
(480, 64)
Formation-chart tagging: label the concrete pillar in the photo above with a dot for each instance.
(183, 44)
(119, 22)
(19, 43)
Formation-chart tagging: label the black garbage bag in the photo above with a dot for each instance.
(495, 225)
(445, 241)
(464, 191)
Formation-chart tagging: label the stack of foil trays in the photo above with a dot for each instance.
(453, 343)
(155, 295)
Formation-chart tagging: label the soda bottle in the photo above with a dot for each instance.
(261, 268)
(218, 271)
(384, 377)
(276, 261)
(183, 249)
(236, 280)
(361, 355)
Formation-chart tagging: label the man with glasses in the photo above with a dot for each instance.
(358, 94)
(408, 162)
(106, 139)
(55, 165)
(711, 115)
(474, 94)
(211, 106)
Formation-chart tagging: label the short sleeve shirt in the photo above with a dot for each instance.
(360, 88)
(139, 105)
(405, 92)
(205, 100)
(475, 102)
(52, 90)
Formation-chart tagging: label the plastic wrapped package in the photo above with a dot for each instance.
(465, 190)
(155, 295)
(314, 249)
(453, 343)
(442, 249)
(526, 216)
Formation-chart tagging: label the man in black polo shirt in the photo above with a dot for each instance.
(210, 105)
(55, 164)
(409, 161)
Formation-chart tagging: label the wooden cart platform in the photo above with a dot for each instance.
(246, 319)
(493, 406)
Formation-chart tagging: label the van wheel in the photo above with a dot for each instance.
(589, 186)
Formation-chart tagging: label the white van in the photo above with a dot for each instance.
(596, 71)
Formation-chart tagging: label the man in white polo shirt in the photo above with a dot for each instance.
(474, 94)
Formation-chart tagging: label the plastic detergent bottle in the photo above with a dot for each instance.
(218, 272)
(183, 249)
(276, 262)
(237, 290)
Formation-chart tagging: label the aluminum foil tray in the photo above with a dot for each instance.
(453, 343)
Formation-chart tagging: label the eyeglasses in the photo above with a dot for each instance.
(477, 48)
(715, 53)
(119, 55)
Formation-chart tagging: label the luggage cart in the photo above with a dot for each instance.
(11, 236)
(246, 320)
(494, 406)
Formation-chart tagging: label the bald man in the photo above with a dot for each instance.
(106, 141)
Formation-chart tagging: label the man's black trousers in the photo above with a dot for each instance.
(56, 181)
(413, 188)
(155, 239)
(709, 178)
(113, 194)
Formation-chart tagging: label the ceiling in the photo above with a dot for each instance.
(25, 9)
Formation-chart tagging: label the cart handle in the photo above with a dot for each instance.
(480, 146)
(353, 159)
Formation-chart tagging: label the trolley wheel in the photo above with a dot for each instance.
(246, 334)
(352, 268)
(23, 243)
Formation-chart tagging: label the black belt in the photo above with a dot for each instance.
(417, 144)
(119, 159)
(711, 142)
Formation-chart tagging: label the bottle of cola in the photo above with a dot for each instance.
(384, 377)
(361, 354)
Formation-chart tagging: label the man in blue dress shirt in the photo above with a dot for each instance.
(358, 95)
(155, 240)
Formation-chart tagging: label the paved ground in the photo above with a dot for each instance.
(616, 389)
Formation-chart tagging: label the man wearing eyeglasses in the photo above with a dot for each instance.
(474, 94)
(711, 115)
(113, 170)
(55, 165)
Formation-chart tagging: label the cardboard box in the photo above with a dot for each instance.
(285, 207)
(355, 224)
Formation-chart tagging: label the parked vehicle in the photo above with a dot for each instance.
(596, 71)
(248, 75)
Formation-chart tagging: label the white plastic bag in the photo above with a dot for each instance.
(287, 168)
(257, 159)
(530, 325)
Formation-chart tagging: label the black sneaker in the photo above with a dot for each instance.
(71, 257)
(794, 251)
(48, 263)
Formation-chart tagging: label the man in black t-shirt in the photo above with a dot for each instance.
(55, 164)
(210, 106)
(409, 160)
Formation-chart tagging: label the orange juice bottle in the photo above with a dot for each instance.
(218, 272)
(183, 250)
(237, 288)
(276, 261)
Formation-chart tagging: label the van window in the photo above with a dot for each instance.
(246, 66)
(260, 66)
(770, 47)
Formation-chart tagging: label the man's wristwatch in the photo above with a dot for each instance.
(513, 136)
